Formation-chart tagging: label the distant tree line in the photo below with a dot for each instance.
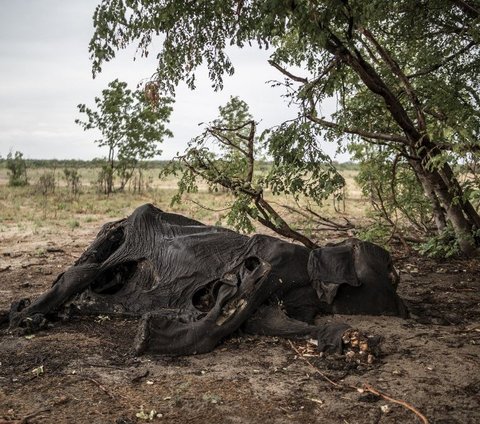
(79, 163)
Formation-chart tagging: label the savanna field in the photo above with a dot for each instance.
(428, 362)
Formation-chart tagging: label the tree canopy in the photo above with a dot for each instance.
(405, 75)
(131, 127)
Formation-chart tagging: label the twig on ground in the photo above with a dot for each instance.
(33, 264)
(366, 388)
(54, 250)
(26, 419)
(110, 395)
(376, 392)
(324, 229)
(104, 389)
(321, 374)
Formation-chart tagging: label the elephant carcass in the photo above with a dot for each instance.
(193, 284)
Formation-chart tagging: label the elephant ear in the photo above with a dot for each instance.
(329, 267)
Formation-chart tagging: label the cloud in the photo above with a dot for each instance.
(45, 72)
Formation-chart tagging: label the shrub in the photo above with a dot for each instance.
(72, 177)
(17, 167)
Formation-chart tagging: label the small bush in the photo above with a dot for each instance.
(378, 232)
(46, 184)
(444, 245)
(17, 167)
(72, 177)
(73, 223)
(105, 179)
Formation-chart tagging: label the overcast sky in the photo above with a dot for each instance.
(45, 72)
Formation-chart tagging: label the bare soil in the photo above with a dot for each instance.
(83, 371)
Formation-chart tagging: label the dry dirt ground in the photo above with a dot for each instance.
(83, 371)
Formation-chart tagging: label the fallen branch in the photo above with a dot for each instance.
(410, 239)
(54, 250)
(106, 391)
(26, 419)
(376, 392)
(348, 226)
(321, 220)
(366, 388)
(319, 229)
(33, 264)
(110, 395)
(317, 371)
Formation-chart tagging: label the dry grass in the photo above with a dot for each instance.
(26, 208)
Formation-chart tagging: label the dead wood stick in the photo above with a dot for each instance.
(110, 395)
(376, 392)
(107, 392)
(366, 387)
(33, 264)
(54, 250)
(324, 229)
(332, 223)
(26, 419)
(321, 374)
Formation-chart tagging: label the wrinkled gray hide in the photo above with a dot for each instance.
(192, 284)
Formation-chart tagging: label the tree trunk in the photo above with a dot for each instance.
(428, 189)
(461, 226)
(470, 212)
(454, 213)
(110, 171)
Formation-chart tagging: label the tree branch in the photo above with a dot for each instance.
(226, 141)
(442, 63)
(251, 153)
(374, 83)
(279, 225)
(234, 129)
(367, 134)
(396, 70)
(287, 73)
(250, 139)
(470, 10)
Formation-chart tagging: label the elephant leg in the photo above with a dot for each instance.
(73, 281)
(175, 332)
(270, 320)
